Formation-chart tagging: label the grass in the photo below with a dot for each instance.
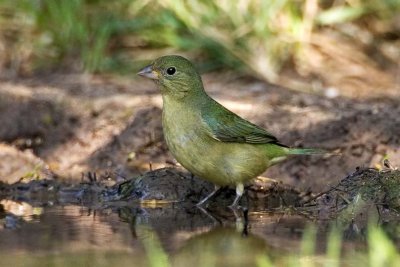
(251, 36)
(229, 247)
(381, 251)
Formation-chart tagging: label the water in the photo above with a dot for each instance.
(73, 235)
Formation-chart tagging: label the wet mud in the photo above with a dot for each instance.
(353, 199)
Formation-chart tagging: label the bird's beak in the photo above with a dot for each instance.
(149, 72)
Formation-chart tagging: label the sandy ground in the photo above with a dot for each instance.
(63, 124)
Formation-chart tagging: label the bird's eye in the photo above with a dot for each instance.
(171, 71)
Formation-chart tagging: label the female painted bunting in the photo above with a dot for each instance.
(206, 138)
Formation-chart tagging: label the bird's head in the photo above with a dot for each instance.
(175, 74)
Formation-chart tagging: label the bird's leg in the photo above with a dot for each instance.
(239, 193)
(204, 200)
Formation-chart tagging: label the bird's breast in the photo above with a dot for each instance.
(186, 138)
(182, 133)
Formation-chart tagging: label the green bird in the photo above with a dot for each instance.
(206, 138)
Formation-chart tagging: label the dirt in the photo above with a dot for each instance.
(365, 194)
(75, 124)
(64, 125)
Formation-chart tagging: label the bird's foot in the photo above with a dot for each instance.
(201, 203)
(235, 206)
(239, 193)
(238, 208)
(204, 200)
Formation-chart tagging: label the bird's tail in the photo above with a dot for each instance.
(307, 151)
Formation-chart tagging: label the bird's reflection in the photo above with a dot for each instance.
(221, 246)
(219, 242)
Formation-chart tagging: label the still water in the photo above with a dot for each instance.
(73, 235)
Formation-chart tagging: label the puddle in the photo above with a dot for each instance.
(69, 236)
(143, 222)
(73, 235)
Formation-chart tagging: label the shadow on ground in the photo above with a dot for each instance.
(113, 127)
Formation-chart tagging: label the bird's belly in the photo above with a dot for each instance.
(221, 163)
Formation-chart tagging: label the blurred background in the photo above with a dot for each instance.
(253, 37)
(257, 38)
(315, 73)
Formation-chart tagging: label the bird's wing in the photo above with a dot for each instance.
(225, 126)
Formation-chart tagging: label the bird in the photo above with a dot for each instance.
(206, 138)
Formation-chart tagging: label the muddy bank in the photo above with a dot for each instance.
(358, 194)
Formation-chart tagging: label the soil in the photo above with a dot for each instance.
(75, 124)
(66, 125)
(364, 194)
